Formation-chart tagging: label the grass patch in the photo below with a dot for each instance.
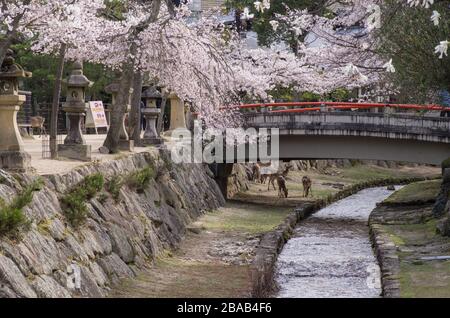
(114, 186)
(412, 234)
(251, 219)
(418, 192)
(12, 218)
(429, 279)
(370, 173)
(420, 278)
(74, 202)
(140, 179)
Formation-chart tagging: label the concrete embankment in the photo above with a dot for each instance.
(120, 236)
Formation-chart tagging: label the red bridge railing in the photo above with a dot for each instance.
(300, 107)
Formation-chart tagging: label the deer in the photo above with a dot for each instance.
(256, 172)
(282, 189)
(307, 186)
(261, 171)
(38, 122)
(274, 176)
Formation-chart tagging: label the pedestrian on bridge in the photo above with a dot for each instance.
(445, 101)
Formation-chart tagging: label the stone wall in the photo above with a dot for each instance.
(117, 240)
(441, 209)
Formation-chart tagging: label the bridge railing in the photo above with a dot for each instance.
(301, 107)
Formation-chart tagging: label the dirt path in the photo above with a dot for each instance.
(213, 259)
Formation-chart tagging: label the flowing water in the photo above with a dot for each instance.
(330, 254)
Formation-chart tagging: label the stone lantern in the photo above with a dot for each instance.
(125, 143)
(177, 116)
(151, 114)
(74, 146)
(12, 154)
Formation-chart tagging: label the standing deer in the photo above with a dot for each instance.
(38, 123)
(282, 189)
(274, 176)
(307, 186)
(256, 170)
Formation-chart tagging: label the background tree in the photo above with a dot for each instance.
(261, 21)
(409, 38)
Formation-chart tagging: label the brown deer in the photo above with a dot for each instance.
(307, 186)
(261, 171)
(282, 189)
(274, 176)
(38, 123)
(256, 172)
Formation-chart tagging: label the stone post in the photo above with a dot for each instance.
(151, 114)
(12, 154)
(177, 116)
(74, 146)
(125, 144)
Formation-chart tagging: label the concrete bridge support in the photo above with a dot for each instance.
(222, 171)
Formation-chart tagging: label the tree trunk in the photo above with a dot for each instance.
(238, 21)
(4, 46)
(118, 110)
(55, 104)
(160, 127)
(126, 82)
(135, 113)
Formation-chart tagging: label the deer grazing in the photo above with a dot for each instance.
(307, 186)
(275, 176)
(38, 123)
(282, 189)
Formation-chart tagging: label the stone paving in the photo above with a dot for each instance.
(47, 166)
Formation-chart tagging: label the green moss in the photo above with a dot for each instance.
(140, 180)
(418, 192)
(74, 202)
(2, 179)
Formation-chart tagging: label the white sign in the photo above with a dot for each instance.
(96, 117)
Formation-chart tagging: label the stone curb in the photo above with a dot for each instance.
(386, 253)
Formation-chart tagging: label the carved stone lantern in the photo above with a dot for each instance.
(74, 146)
(125, 143)
(177, 116)
(12, 154)
(151, 114)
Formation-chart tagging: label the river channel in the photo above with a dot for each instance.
(330, 254)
